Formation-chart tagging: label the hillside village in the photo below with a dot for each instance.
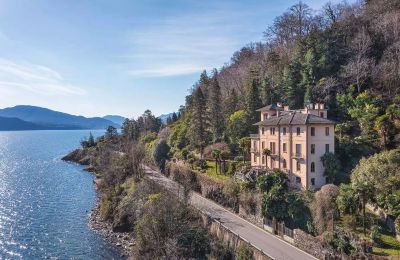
(298, 134)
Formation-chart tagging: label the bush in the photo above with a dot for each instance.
(243, 252)
(231, 168)
(350, 222)
(239, 158)
(105, 209)
(202, 164)
(376, 234)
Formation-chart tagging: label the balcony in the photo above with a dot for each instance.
(298, 156)
(255, 151)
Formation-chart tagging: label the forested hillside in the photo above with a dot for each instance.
(346, 56)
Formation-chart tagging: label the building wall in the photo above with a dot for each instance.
(301, 140)
(320, 140)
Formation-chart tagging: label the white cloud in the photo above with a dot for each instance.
(187, 43)
(24, 76)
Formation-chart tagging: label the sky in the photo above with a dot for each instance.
(121, 57)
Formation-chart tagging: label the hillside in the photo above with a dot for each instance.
(115, 119)
(15, 124)
(55, 120)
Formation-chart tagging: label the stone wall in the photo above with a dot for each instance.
(233, 241)
(310, 244)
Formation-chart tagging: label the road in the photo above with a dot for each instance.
(259, 238)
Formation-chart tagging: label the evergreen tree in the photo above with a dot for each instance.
(174, 117)
(293, 94)
(216, 115)
(253, 101)
(231, 103)
(198, 134)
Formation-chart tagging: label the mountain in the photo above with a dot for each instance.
(116, 119)
(49, 119)
(15, 124)
(164, 117)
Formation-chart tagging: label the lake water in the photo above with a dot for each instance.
(45, 202)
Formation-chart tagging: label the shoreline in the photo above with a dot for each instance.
(122, 242)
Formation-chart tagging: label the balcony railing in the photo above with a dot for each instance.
(298, 155)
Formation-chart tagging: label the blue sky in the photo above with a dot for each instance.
(121, 57)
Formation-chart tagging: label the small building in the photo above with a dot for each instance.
(294, 141)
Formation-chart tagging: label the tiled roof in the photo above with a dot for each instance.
(295, 118)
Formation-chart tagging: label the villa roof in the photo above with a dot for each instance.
(295, 118)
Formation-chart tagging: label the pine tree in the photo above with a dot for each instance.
(217, 124)
(198, 134)
(253, 101)
(231, 103)
(174, 117)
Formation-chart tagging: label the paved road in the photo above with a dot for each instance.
(259, 238)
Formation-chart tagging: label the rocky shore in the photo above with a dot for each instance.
(123, 241)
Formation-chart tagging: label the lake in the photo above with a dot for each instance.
(45, 202)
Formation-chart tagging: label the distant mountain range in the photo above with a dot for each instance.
(165, 117)
(38, 118)
(116, 119)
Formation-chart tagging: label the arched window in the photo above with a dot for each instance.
(312, 167)
(284, 164)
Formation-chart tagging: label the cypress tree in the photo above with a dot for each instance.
(253, 101)
(198, 134)
(216, 116)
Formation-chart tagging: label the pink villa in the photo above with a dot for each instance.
(294, 141)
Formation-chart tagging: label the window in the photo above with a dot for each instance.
(321, 114)
(313, 181)
(326, 148)
(297, 166)
(263, 145)
(298, 149)
(284, 147)
(263, 159)
(265, 116)
(284, 131)
(272, 131)
(327, 131)
(254, 158)
(312, 167)
(298, 130)
(312, 131)
(312, 148)
(284, 164)
(298, 180)
(255, 145)
(262, 130)
(272, 147)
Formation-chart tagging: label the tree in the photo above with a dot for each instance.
(323, 208)
(245, 144)
(376, 179)
(215, 109)
(253, 101)
(238, 126)
(347, 201)
(198, 133)
(359, 67)
(332, 165)
(161, 154)
(111, 133)
(217, 156)
(231, 103)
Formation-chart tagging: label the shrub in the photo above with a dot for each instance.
(105, 209)
(243, 252)
(376, 234)
(350, 222)
(231, 168)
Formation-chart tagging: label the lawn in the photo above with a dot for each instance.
(388, 245)
(210, 171)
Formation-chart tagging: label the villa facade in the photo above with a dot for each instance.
(294, 141)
